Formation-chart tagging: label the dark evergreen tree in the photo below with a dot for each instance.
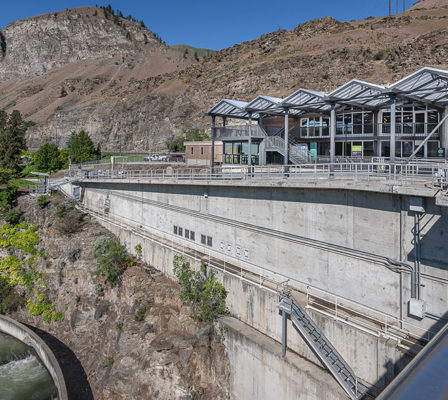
(81, 148)
(48, 158)
(12, 141)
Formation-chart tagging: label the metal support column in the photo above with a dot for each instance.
(213, 144)
(224, 121)
(417, 229)
(286, 149)
(446, 135)
(392, 129)
(249, 151)
(332, 137)
(284, 332)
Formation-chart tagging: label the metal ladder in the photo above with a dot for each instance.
(320, 345)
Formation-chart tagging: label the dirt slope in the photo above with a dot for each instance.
(126, 99)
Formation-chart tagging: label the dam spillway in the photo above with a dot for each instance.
(22, 375)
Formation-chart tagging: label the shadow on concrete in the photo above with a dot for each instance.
(78, 387)
(392, 370)
(433, 248)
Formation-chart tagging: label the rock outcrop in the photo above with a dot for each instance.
(125, 353)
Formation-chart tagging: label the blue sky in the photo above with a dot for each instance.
(210, 23)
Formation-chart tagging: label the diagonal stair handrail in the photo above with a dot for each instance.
(321, 345)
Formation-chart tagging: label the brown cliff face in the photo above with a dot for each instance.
(119, 102)
(110, 354)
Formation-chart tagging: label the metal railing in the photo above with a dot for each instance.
(346, 311)
(419, 130)
(239, 131)
(432, 174)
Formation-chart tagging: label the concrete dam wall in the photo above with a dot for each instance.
(341, 250)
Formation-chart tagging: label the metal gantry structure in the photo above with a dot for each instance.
(412, 110)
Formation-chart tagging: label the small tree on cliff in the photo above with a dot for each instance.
(81, 148)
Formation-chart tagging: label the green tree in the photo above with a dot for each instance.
(12, 140)
(48, 158)
(200, 290)
(3, 120)
(63, 158)
(81, 148)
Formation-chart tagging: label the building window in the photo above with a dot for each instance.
(180, 231)
(209, 241)
(192, 236)
(202, 150)
(187, 233)
(203, 239)
(192, 150)
(175, 229)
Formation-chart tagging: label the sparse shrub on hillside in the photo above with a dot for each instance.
(10, 299)
(200, 290)
(43, 201)
(138, 250)
(380, 54)
(12, 216)
(69, 219)
(111, 259)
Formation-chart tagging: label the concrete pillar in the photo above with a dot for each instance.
(332, 136)
(249, 151)
(284, 333)
(213, 144)
(376, 133)
(286, 149)
(392, 129)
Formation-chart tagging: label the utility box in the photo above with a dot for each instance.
(417, 308)
(417, 204)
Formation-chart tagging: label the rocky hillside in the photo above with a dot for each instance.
(107, 347)
(118, 104)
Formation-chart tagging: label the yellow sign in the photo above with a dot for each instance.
(357, 149)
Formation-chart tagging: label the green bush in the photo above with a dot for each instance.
(81, 148)
(6, 175)
(380, 54)
(12, 216)
(69, 220)
(200, 290)
(10, 299)
(47, 158)
(111, 259)
(43, 201)
(138, 250)
(9, 195)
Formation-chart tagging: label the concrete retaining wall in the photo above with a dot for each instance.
(27, 336)
(259, 372)
(374, 359)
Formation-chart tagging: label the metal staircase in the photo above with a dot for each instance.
(320, 345)
(296, 153)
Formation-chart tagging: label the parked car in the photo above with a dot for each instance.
(176, 158)
(156, 157)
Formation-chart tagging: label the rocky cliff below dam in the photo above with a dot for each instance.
(107, 347)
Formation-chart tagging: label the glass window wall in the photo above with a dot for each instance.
(238, 153)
